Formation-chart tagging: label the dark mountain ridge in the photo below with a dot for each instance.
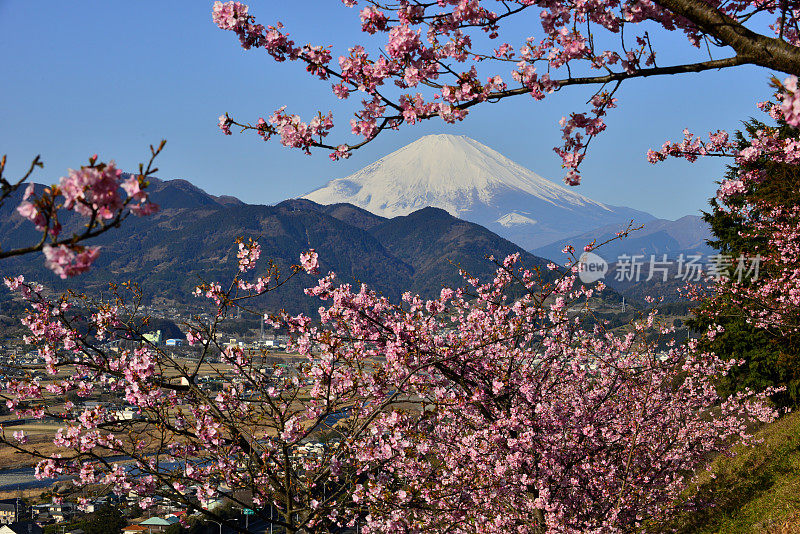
(191, 239)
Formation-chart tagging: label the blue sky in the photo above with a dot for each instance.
(107, 77)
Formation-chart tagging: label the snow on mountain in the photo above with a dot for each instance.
(510, 219)
(475, 183)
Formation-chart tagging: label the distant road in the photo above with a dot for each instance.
(23, 478)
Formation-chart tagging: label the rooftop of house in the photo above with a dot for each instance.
(156, 522)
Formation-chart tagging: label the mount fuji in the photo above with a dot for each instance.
(475, 183)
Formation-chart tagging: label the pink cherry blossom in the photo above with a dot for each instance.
(310, 261)
(438, 47)
(520, 409)
(94, 192)
(790, 106)
(66, 261)
(93, 189)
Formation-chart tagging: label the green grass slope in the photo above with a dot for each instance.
(756, 491)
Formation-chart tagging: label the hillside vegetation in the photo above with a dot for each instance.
(755, 491)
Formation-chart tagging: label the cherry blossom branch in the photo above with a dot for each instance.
(444, 51)
(7, 188)
(433, 397)
(93, 192)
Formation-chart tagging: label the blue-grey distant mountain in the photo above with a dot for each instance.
(475, 183)
(687, 235)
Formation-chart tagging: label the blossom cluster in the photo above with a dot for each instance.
(66, 261)
(486, 397)
(764, 157)
(94, 191)
(437, 55)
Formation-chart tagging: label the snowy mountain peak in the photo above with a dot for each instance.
(470, 181)
(452, 172)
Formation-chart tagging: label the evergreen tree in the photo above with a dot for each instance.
(770, 355)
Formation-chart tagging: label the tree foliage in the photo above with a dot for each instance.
(107, 519)
(741, 224)
(488, 408)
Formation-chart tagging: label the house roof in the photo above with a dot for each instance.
(155, 522)
(134, 528)
(23, 527)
